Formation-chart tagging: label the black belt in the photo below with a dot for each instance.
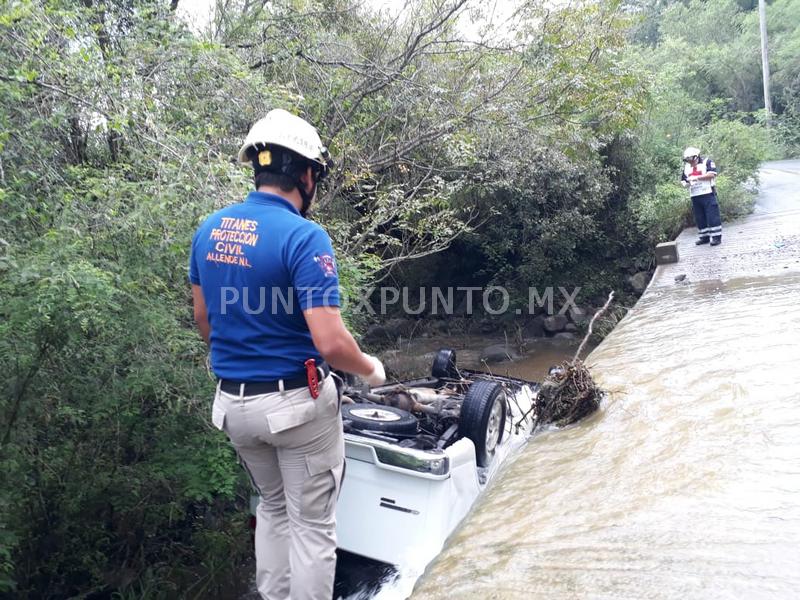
(256, 388)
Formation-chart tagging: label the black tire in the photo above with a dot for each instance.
(377, 417)
(444, 365)
(483, 418)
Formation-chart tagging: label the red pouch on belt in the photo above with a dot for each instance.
(313, 377)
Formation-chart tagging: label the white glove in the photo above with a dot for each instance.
(378, 375)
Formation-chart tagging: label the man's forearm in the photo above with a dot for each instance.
(705, 177)
(205, 330)
(335, 343)
(345, 355)
(201, 313)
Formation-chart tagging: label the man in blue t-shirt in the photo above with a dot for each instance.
(266, 299)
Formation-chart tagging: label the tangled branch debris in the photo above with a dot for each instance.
(569, 394)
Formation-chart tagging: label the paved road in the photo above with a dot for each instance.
(780, 187)
(762, 244)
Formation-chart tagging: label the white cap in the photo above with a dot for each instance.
(282, 128)
(691, 151)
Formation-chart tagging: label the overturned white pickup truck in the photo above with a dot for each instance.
(420, 452)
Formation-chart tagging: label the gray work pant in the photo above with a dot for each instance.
(292, 446)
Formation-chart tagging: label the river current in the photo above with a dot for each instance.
(686, 484)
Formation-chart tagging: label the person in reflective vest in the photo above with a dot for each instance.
(698, 175)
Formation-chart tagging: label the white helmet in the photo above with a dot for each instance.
(690, 152)
(281, 128)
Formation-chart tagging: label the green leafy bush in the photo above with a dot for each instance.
(737, 148)
(735, 198)
(662, 214)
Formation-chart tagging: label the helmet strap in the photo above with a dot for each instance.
(306, 196)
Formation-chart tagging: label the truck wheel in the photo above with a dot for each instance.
(444, 365)
(483, 418)
(377, 417)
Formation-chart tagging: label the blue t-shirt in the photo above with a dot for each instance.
(260, 265)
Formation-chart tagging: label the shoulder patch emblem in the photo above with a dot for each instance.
(326, 264)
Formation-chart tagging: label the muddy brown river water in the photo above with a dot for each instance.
(414, 358)
(685, 485)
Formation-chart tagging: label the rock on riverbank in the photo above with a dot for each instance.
(396, 330)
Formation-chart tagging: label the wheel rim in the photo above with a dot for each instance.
(493, 426)
(375, 414)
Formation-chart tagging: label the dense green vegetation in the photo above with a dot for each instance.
(542, 149)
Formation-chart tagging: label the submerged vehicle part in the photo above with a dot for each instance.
(420, 452)
(444, 365)
(472, 405)
(483, 418)
(375, 417)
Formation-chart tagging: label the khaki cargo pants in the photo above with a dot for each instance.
(292, 446)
